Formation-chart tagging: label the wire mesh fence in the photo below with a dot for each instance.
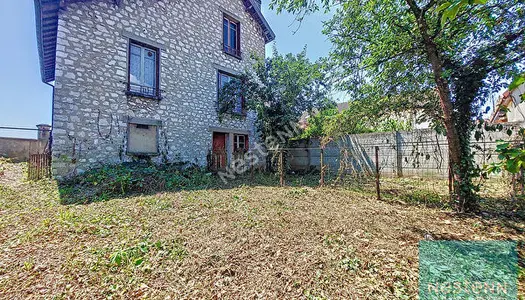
(411, 163)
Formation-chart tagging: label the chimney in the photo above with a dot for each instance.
(44, 131)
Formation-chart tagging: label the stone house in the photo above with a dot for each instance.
(139, 79)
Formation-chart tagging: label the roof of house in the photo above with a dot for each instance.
(342, 106)
(505, 101)
(254, 8)
(499, 115)
(46, 13)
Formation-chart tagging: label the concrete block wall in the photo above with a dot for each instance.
(19, 149)
(422, 153)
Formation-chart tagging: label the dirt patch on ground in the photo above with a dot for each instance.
(242, 242)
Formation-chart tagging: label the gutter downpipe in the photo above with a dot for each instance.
(52, 118)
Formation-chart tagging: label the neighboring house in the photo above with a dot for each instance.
(510, 108)
(139, 79)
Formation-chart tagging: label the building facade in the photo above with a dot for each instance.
(510, 108)
(139, 79)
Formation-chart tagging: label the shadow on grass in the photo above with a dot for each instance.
(126, 180)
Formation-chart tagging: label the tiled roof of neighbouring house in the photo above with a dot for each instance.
(46, 13)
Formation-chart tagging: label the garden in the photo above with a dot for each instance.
(250, 238)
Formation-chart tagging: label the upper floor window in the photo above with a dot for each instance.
(224, 79)
(231, 37)
(143, 70)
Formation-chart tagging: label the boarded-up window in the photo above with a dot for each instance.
(142, 139)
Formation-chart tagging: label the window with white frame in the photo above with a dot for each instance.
(143, 69)
(240, 142)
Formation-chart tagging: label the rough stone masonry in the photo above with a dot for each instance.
(91, 110)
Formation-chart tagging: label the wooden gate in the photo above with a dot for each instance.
(218, 160)
(39, 166)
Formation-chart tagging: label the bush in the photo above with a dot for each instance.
(122, 180)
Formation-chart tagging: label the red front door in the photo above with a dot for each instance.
(219, 150)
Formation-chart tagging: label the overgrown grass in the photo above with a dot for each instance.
(124, 180)
(132, 179)
(247, 239)
(4, 163)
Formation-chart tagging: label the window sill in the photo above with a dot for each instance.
(244, 114)
(142, 95)
(232, 55)
(141, 154)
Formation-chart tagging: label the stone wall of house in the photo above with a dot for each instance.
(91, 109)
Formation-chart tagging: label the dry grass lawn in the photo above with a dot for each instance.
(243, 242)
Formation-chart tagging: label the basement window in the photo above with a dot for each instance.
(142, 139)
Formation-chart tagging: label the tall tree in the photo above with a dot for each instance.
(384, 48)
(279, 89)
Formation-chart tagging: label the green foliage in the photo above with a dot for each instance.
(450, 9)
(317, 123)
(121, 180)
(3, 163)
(358, 118)
(391, 125)
(137, 255)
(517, 81)
(279, 89)
(350, 264)
(511, 158)
(401, 50)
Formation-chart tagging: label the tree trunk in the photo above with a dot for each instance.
(462, 190)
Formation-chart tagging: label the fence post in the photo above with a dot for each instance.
(281, 167)
(321, 181)
(377, 175)
(29, 167)
(399, 154)
(251, 170)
